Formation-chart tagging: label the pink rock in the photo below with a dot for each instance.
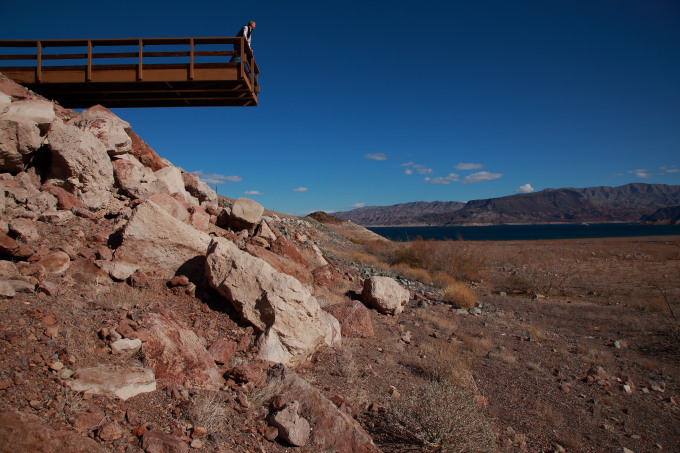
(354, 317)
(55, 262)
(292, 428)
(65, 200)
(223, 350)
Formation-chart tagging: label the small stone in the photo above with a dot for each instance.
(111, 431)
(617, 345)
(56, 366)
(406, 337)
(198, 432)
(271, 433)
(196, 443)
(394, 392)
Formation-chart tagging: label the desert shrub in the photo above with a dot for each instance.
(440, 417)
(460, 294)
(447, 362)
(420, 275)
(479, 344)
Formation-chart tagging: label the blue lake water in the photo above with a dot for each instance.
(526, 232)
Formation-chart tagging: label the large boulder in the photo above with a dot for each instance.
(177, 355)
(245, 214)
(385, 295)
(278, 305)
(331, 429)
(158, 243)
(108, 128)
(80, 165)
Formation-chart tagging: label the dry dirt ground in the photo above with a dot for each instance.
(574, 348)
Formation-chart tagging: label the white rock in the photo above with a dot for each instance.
(118, 269)
(385, 295)
(80, 164)
(126, 345)
(108, 128)
(159, 243)
(245, 213)
(277, 304)
(36, 111)
(123, 383)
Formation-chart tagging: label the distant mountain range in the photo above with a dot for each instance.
(627, 203)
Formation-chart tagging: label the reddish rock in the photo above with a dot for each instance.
(253, 372)
(327, 276)
(283, 247)
(65, 200)
(139, 280)
(8, 246)
(21, 432)
(223, 350)
(111, 431)
(144, 153)
(176, 353)
(179, 280)
(160, 442)
(56, 262)
(354, 317)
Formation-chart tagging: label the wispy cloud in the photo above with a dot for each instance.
(672, 169)
(301, 189)
(481, 176)
(252, 192)
(215, 178)
(376, 156)
(442, 179)
(468, 166)
(417, 168)
(526, 188)
(358, 205)
(641, 173)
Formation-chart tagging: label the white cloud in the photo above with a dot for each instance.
(215, 178)
(376, 156)
(525, 188)
(252, 192)
(640, 173)
(301, 189)
(672, 169)
(421, 169)
(358, 205)
(468, 166)
(481, 176)
(442, 179)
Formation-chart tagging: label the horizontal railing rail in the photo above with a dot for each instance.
(90, 52)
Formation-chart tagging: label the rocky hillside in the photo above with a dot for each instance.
(625, 203)
(141, 313)
(668, 216)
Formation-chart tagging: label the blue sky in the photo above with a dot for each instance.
(383, 102)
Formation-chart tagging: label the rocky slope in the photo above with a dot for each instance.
(128, 287)
(625, 203)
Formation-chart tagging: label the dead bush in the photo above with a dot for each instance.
(209, 410)
(447, 361)
(440, 417)
(460, 294)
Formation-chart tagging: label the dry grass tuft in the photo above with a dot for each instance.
(460, 294)
(209, 410)
(441, 417)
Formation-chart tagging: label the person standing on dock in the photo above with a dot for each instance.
(247, 33)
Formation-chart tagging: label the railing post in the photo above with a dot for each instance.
(38, 74)
(191, 59)
(89, 60)
(141, 60)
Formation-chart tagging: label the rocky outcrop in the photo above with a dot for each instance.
(385, 295)
(108, 128)
(278, 305)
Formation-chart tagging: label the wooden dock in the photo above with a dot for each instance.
(153, 72)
